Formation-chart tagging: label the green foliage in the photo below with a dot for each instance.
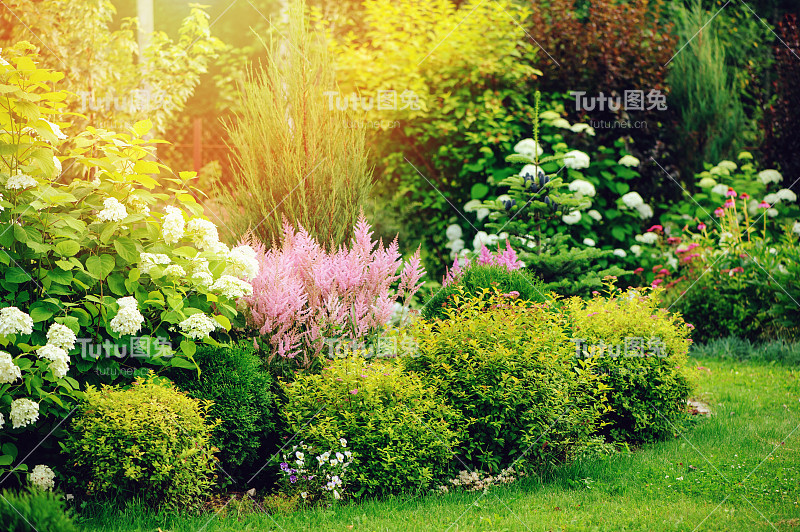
(640, 350)
(297, 158)
(473, 282)
(42, 511)
(460, 81)
(507, 366)
(242, 390)
(704, 88)
(741, 350)
(402, 436)
(149, 441)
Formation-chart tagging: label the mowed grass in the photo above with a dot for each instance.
(738, 470)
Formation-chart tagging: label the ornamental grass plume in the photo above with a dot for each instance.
(304, 294)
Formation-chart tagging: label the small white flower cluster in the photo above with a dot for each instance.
(475, 206)
(572, 218)
(576, 160)
(128, 320)
(13, 321)
(629, 160)
(707, 182)
(173, 225)
(198, 326)
(42, 478)
(175, 271)
(770, 176)
(720, 189)
(529, 148)
(595, 215)
(23, 412)
(633, 200)
(113, 211)
(475, 480)
(231, 287)
(454, 241)
(61, 336)
(205, 233)
(9, 372)
(59, 359)
(20, 181)
(242, 263)
(647, 238)
(148, 260)
(582, 188)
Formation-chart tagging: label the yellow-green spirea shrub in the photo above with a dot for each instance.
(640, 350)
(150, 442)
(507, 366)
(401, 434)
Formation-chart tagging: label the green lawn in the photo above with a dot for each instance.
(738, 470)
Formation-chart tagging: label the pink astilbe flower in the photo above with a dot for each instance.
(506, 257)
(304, 295)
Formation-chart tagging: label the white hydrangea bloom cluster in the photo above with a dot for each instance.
(198, 326)
(173, 225)
(148, 260)
(175, 271)
(633, 200)
(113, 211)
(231, 287)
(2, 420)
(595, 215)
(42, 478)
(13, 321)
(529, 148)
(242, 263)
(707, 182)
(620, 253)
(61, 336)
(582, 188)
(720, 189)
(576, 160)
(20, 181)
(647, 238)
(628, 160)
(770, 176)
(9, 372)
(475, 206)
(571, 218)
(23, 412)
(128, 320)
(205, 233)
(787, 195)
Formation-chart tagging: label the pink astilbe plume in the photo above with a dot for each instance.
(506, 257)
(304, 295)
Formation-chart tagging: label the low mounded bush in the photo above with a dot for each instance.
(42, 511)
(150, 442)
(401, 434)
(476, 278)
(507, 366)
(641, 352)
(235, 379)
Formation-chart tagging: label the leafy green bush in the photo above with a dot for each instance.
(149, 441)
(402, 436)
(640, 350)
(473, 281)
(42, 511)
(242, 389)
(507, 366)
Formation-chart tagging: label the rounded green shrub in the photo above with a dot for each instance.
(640, 350)
(401, 435)
(476, 279)
(506, 365)
(42, 511)
(242, 389)
(149, 441)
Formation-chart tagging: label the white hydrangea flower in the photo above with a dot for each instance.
(42, 478)
(472, 205)
(56, 130)
(578, 128)
(645, 211)
(2, 420)
(60, 368)
(576, 160)
(57, 164)
(61, 336)
(52, 352)
(481, 239)
(562, 123)
(549, 115)
(629, 160)
(198, 326)
(482, 213)
(708, 182)
(128, 320)
(594, 215)
(23, 412)
(632, 200)
(148, 260)
(530, 171)
(571, 218)
(173, 225)
(20, 182)
(582, 188)
(9, 372)
(219, 248)
(728, 165)
(719, 170)
(796, 228)
(786, 195)
(620, 253)
(720, 189)
(13, 321)
(203, 279)
(647, 238)
(770, 176)
(589, 242)
(453, 232)
(636, 249)
(772, 198)
(205, 233)
(529, 148)
(113, 211)
(231, 287)
(242, 263)
(772, 213)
